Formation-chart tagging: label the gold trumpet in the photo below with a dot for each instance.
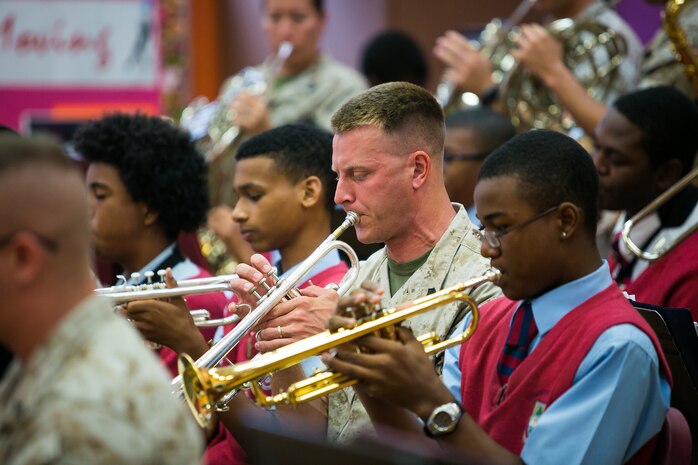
(205, 388)
(663, 247)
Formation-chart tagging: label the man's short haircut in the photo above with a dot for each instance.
(17, 152)
(551, 168)
(319, 6)
(669, 123)
(298, 151)
(157, 163)
(491, 128)
(393, 56)
(396, 107)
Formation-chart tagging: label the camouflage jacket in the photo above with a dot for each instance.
(94, 393)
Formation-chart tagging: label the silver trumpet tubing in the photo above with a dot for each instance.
(158, 290)
(284, 288)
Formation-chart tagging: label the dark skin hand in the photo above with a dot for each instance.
(167, 322)
(397, 381)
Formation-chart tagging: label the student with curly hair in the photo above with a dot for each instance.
(147, 184)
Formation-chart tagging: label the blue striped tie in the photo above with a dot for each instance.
(523, 330)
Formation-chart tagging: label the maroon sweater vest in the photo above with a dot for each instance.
(671, 281)
(546, 373)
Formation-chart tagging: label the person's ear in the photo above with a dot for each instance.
(420, 162)
(569, 220)
(668, 173)
(310, 191)
(150, 217)
(27, 258)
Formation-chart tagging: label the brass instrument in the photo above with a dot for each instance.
(283, 288)
(204, 388)
(679, 40)
(591, 50)
(496, 39)
(215, 252)
(158, 290)
(661, 248)
(211, 123)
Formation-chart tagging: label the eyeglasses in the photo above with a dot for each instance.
(474, 156)
(49, 244)
(492, 237)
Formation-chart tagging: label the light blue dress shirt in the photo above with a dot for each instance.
(618, 399)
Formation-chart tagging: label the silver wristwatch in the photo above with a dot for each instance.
(443, 419)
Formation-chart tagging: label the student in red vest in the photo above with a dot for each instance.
(285, 188)
(147, 184)
(645, 143)
(562, 369)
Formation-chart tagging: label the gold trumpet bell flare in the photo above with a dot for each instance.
(196, 392)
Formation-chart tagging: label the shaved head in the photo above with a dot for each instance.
(42, 193)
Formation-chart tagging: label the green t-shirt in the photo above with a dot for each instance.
(399, 273)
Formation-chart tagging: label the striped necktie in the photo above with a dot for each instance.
(523, 330)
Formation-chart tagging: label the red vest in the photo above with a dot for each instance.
(546, 373)
(671, 281)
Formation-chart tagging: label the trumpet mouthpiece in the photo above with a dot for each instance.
(353, 218)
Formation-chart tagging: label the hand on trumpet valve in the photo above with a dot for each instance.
(298, 318)
(538, 51)
(466, 67)
(252, 284)
(251, 113)
(397, 371)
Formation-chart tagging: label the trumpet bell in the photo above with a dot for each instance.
(196, 391)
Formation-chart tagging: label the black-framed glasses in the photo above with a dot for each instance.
(49, 244)
(472, 156)
(492, 237)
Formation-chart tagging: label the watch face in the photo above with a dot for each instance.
(443, 420)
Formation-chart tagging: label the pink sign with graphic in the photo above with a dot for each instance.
(77, 59)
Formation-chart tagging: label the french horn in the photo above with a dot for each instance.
(592, 51)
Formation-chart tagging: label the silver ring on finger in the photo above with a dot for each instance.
(281, 333)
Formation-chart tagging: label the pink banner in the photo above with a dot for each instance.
(71, 60)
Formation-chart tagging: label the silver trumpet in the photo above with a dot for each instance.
(158, 290)
(282, 289)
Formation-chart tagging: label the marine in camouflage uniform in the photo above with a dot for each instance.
(455, 258)
(92, 392)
